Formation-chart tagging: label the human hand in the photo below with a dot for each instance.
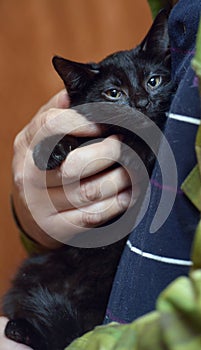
(7, 344)
(93, 194)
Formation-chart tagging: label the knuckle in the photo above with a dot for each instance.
(19, 181)
(18, 141)
(68, 171)
(114, 148)
(46, 118)
(71, 167)
(91, 219)
(123, 201)
(89, 192)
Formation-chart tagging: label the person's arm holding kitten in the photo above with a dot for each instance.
(86, 193)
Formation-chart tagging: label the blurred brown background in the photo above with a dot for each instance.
(31, 32)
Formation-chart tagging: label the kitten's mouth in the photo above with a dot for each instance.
(144, 110)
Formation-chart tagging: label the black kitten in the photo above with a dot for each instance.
(60, 295)
(138, 78)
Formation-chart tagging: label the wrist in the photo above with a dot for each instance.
(33, 237)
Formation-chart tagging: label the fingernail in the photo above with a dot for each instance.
(124, 199)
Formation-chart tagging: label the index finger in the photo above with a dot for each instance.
(60, 122)
(55, 118)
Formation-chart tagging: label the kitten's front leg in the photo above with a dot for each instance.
(53, 150)
(21, 331)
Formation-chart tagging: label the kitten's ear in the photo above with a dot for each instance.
(75, 75)
(157, 39)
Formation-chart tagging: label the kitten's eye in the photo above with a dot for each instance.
(154, 82)
(112, 94)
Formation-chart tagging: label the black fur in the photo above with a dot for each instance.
(129, 72)
(60, 295)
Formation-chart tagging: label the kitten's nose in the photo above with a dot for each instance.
(141, 103)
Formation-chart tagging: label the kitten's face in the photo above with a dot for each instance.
(139, 78)
(131, 78)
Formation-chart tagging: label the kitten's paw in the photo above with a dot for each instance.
(53, 150)
(18, 331)
(21, 331)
